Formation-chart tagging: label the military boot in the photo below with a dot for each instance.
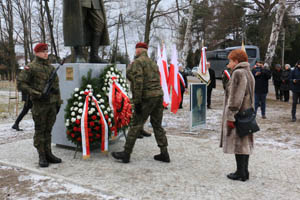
(79, 57)
(42, 160)
(163, 156)
(145, 133)
(94, 57)
(124, 156)
(50, 157)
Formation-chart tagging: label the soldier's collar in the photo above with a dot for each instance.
(41, 60)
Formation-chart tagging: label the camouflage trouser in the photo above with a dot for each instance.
(44, 116)
(152, 107)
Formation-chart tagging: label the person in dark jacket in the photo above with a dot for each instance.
(285, 84)
(276, 74)
(26, 108)
(295, 87)
(211, 85)
(183, 86)
(262, 75)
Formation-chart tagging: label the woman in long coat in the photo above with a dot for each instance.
(239, 96)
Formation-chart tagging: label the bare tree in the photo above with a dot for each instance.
(188, 34)
(8, 15)
(275, 32)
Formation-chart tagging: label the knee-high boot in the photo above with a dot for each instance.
(94, 57)
(246, 166)
(240, 172)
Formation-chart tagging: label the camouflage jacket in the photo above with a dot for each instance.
(144, 77)
(33, 79)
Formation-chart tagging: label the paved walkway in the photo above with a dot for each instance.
(197, 171)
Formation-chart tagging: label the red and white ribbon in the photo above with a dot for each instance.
(84, 127)
(227, 74)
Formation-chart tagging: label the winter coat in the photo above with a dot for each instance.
(237, 98)
(212, 76)
(295, 75)
(285, 84)
(276, 77)
(261, 80)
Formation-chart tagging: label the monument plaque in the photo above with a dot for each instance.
(69, 74)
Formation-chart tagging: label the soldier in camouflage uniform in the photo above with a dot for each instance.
(32, 80)
(147, 96)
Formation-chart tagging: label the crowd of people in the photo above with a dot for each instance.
(284, 80)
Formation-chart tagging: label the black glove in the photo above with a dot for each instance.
(138, 108)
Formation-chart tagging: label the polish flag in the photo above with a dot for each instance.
(163, 80)
(174, 81)
(165, 64)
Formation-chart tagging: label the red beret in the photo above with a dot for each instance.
(141, 45)
(40, 47)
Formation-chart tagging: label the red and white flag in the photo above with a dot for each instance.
(174, 81)
(163, 80)
(203, 74)
(165, 63)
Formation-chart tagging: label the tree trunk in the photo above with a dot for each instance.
(275, 32)
(188, 35)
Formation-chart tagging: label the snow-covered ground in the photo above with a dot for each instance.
(277, 135)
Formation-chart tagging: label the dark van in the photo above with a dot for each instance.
(218, 58)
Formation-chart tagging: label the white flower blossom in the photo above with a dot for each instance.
(81, 92)
(73, 119)
(78, 117)
(67, 124)
(98, 95)
(90, 112)
(76, 103)
(102, 100)
(90, 94)
(121, 80)
(89, 86)
(76, 108)
(118, 76)
(80, 104)
(75, 95)
(105, 112)
(110, 125)
(93, 103)
(112, 69)
(80, 110)
(108, 109)
(109, 120)
(76, 89)
(102, 106)
(71, 109)
(67, 120)
(104, 88)
(111, 115)
(80, 97)
(73, 113)
(98, 114)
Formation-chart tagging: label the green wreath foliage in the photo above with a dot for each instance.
(74, 109)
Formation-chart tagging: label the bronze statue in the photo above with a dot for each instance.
(84, 24)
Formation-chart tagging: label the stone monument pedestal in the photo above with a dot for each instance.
(70, 75)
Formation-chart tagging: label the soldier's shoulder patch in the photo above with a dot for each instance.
(26, 67)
